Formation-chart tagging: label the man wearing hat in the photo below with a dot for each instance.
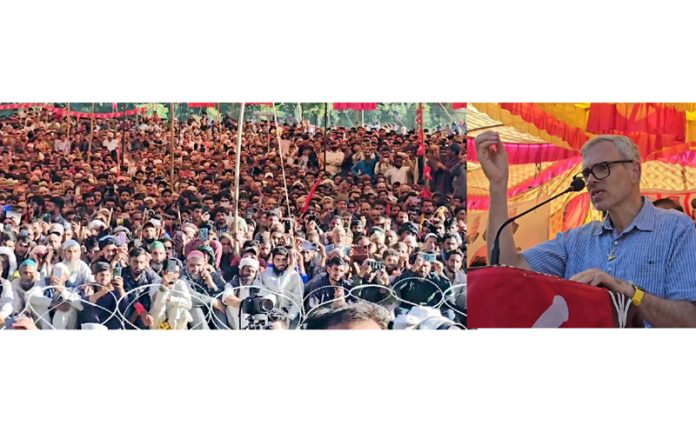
(158, 254)
(280, 278)
(29, 294)
(207, 286)
(247, 278)
(151, 231)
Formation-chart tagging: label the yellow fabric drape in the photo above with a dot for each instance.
(504, 116)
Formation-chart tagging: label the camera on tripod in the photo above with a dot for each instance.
(259, 311)
(255, 304)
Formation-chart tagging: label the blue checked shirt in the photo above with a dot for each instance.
(657, 252)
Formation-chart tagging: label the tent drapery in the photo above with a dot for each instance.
(357, 106)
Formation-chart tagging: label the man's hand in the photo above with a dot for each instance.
(596, 277)
(207, 277)
(217, 304)
(382, 278)
(148, 320)
(24, 323)
(494, 162)
(117, 284)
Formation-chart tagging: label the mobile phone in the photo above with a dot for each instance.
(122, 236)
(203, 234)
(58, 271)
(288, 225)
(117, 271)
(427, 257)
(9, 322)
(358, 253)
(46, 218)
(308, 245)
(377, 265)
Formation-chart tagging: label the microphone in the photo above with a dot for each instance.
(576, 185)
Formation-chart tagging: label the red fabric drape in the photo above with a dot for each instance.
(534, 114)
(201, 104)
(650, 118)
(365, 106)
(653, 127)
(526, 153)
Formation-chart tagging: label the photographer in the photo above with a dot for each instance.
(171, 301)
(372, 272)
(66, 300)
(330, 286)
(281, 278)
(206, 284)
(232, 298)
(136, 276)
(419, 285)
(106, 292)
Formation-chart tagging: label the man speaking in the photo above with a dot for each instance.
(643, 252)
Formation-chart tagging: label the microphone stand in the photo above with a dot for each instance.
(576, 185)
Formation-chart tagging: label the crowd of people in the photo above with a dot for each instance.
(130, 224)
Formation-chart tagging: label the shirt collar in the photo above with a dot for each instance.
(644, 220)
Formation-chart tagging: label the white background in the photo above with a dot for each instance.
(358, 51)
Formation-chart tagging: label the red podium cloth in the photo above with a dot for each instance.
(507, 297)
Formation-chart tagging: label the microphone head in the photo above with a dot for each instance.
(577, 184)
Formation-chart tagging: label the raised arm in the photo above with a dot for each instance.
(494, 162)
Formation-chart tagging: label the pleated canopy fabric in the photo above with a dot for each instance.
(544, 140)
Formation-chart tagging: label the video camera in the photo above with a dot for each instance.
(259, 311)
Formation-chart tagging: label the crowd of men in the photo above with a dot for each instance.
(129, 223)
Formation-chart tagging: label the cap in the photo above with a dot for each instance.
(120, 229)
(157, 245)
(27, 263)
(57, 229)
(96, 225)
(408, 227)
(249, 262)
(195, 254)
(69, 244)
(156, 223)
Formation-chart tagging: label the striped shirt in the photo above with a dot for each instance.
(656, 251)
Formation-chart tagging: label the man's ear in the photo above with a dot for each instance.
(637, 170)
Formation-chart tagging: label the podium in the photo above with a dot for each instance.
(508, 297)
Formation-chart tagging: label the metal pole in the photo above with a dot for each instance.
(240, 127)
(172, 143)
(91, 136)
(68, 116)
(326, 131)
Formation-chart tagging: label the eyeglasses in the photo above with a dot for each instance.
(601, 170)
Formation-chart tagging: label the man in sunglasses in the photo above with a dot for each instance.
(638, 250)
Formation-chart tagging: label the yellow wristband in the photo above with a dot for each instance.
(637, 296)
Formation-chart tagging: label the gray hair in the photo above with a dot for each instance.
(623, 144)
